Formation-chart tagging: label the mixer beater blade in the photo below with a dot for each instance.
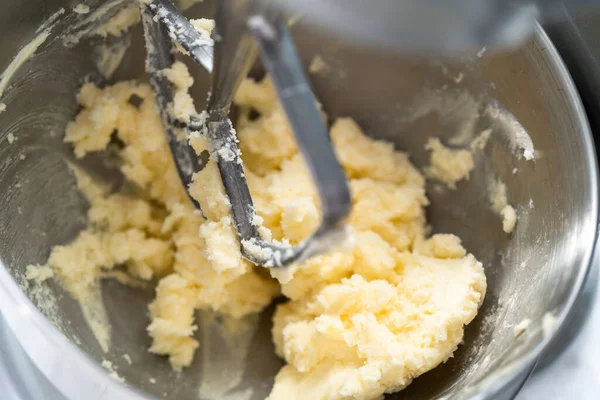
(243, 28)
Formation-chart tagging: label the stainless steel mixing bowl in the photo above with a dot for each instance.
(539, 268)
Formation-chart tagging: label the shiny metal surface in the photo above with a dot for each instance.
(573, 370)
(539, 268)
(19, 378)
(438, 27)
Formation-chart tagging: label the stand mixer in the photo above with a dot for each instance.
(243, 27)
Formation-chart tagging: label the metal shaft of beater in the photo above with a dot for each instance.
(159, 56)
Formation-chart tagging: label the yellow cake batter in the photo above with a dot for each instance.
(358, 324)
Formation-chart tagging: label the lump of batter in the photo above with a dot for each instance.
(357, 324)
(448, 165)
(499, 202)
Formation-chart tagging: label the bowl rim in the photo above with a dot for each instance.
(77, 375)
